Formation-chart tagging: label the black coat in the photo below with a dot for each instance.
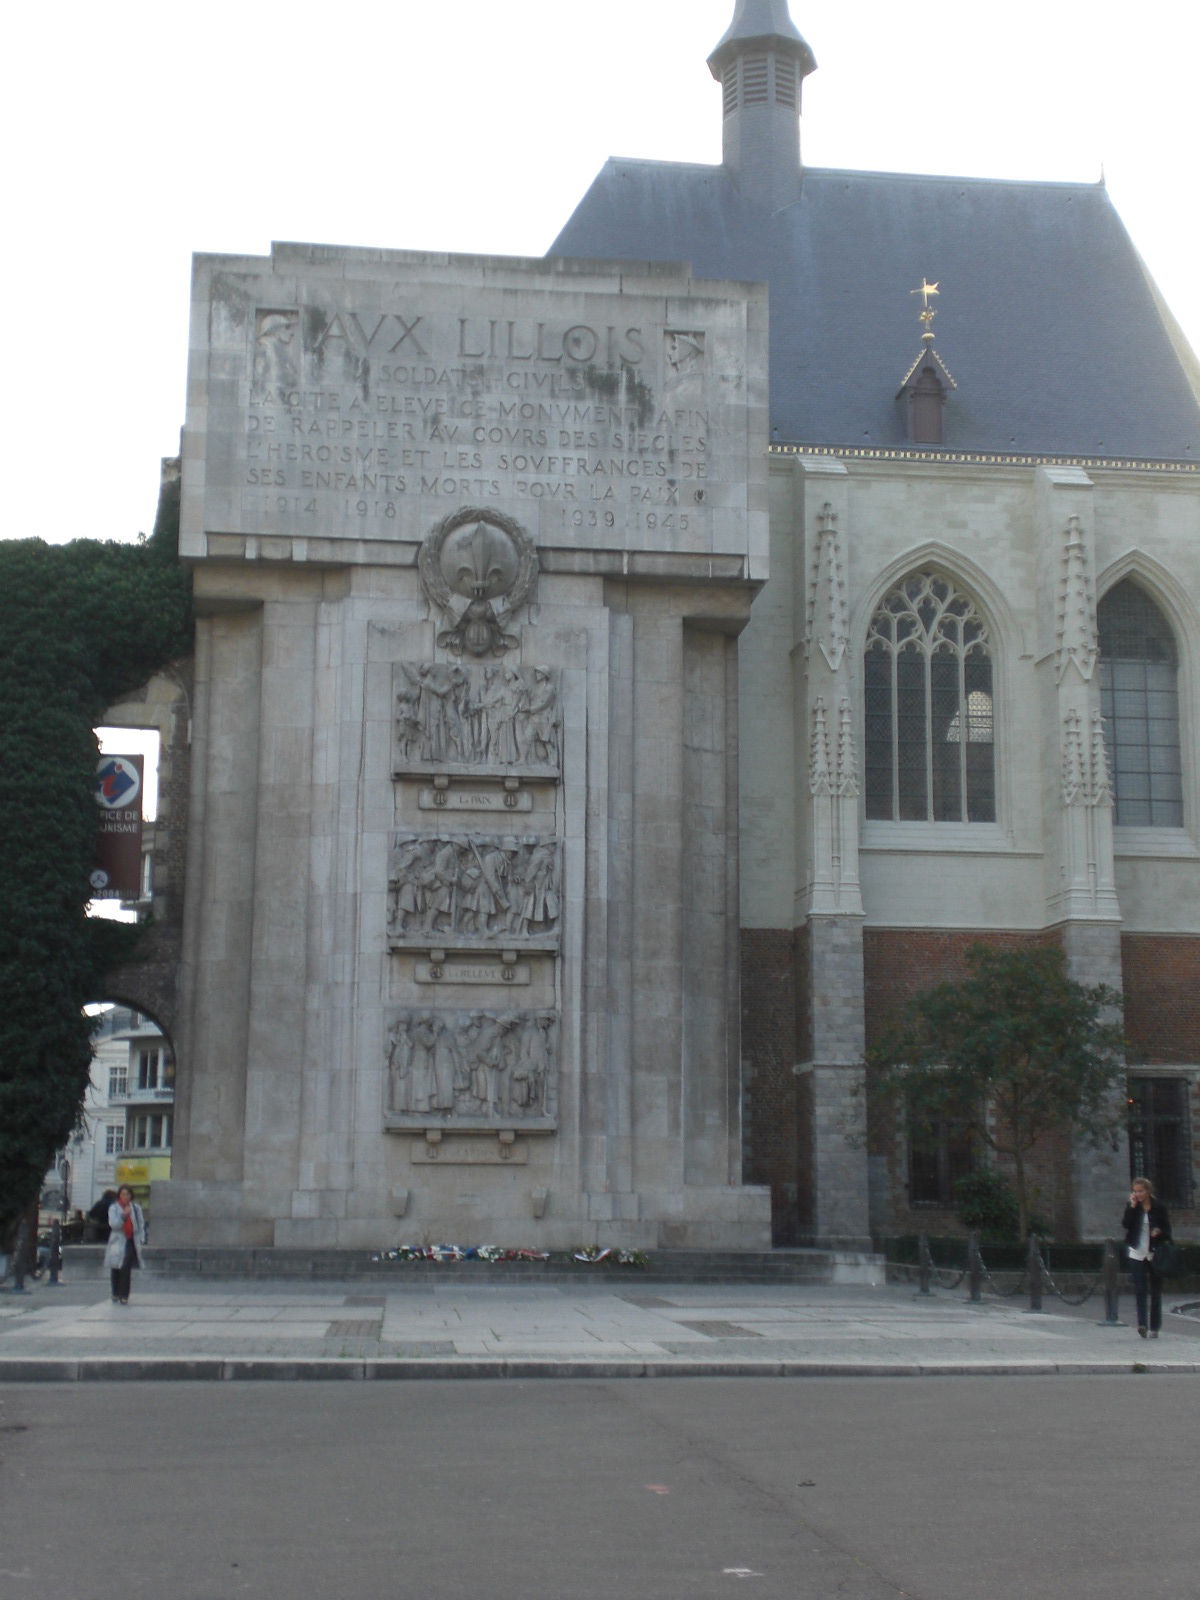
(1132, 1223)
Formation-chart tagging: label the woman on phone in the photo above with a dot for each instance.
(1146, 1223)
(125, 1240)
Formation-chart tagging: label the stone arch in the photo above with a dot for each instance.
(1168, 594)
(149, 983)
(959, 569)
(163, 705)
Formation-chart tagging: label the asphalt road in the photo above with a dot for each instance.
(860, 1489)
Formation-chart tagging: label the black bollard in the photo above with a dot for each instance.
(1112, 1285)
(55, 1253)
(975, 1267)
(1034, 1264)
(926, 1260)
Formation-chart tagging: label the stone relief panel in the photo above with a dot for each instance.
(450, 717)
(472, 1069)
(474, 889)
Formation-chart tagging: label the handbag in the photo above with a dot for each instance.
(1166, 1260)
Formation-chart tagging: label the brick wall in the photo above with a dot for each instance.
(899, 962)
(1161, 977)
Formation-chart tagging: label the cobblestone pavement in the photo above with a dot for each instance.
(427, 1325)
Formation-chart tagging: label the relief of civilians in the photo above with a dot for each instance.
(1145, 1223)
(124, 1249)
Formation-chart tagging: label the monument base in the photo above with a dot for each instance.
(214, 1215)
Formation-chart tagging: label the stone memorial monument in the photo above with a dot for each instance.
(473, 540)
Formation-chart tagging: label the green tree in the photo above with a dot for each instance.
(1015, 1051)
(80, 625)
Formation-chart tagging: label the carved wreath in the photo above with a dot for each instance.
(478, 566)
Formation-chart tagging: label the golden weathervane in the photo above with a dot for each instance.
(926, 291)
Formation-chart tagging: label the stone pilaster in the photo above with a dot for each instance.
(829, 901)
(1081, 895)
(1078, 791)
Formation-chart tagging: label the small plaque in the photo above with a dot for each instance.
(493, 799)
(508, 973)
(469, 1153)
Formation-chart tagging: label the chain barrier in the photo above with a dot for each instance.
(1021, 1287)
(1071, 1300)
(1035, 1278)
(913, 1273)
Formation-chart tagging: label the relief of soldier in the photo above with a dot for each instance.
(495, 1065)
(474, 886)
(497, 717)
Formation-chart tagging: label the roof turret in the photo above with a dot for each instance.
(761, 64)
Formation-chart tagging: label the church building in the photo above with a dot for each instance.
(970, 707)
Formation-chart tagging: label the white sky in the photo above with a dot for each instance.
(139, 132)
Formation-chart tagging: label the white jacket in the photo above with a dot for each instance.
(114, 1254)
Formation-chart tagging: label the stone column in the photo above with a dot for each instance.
(657, 899)
(208, 1165)
(711, 1088)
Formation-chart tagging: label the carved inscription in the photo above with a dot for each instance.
(477, 800)
(473, 888)
(451, 717)
(354, 413)
(514, 974)
(472, 1068)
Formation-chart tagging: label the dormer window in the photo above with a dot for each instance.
(922, 398)
(926, 403)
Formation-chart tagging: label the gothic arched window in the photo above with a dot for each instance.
(1139, 700)
(928, 681)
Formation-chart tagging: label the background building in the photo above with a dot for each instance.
(124, 1132)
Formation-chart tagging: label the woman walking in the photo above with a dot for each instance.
(125, 1241)
(1146, 1225)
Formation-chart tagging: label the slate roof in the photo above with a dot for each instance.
(1046, 317)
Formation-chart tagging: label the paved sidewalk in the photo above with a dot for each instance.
(427, 1325)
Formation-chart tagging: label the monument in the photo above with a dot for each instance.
(473, 540)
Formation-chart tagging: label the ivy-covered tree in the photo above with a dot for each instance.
(81, 624)
(1014, 1052)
